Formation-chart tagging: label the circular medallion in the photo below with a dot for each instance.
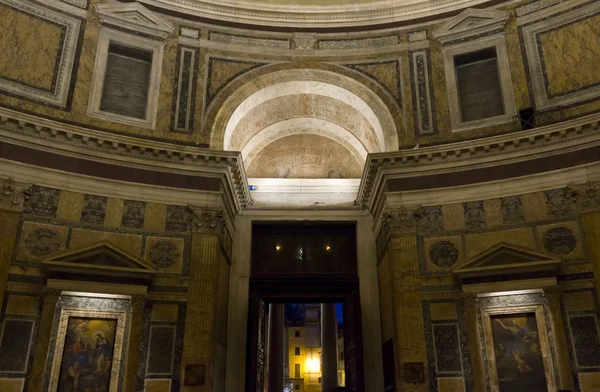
(42, 241)
(443, 254)
(164, 254)
(560, 241)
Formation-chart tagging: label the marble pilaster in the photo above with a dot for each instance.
(138, 306)
(36, 377)
(410, 335)
(591, 227)
(12, 197)
(559, 335)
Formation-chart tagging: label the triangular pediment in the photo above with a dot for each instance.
(505, 259)
(100, 258)
(470, 23)
(134, 17)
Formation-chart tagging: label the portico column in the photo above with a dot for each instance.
(275, 381)
(328, 346)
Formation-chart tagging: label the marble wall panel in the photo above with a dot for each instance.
(114, 212)
(43, 202)
(15, 344)
(451, 384)
(12, 384)
(177, 218)
(165, 253)
(585, 338)
(160, 350)
(94, 209)
(441, 253)
(155, 217)
(157, 386)
(22, 305)
(70, 205)
(454, 217)
(164, 312)
(589, 381)
(133, 214)
(534, 206)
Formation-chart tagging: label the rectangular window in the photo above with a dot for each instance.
(126, 81)
(341, 356)
(478, 83)
(297, 387)
(296, 370)
(296, 350)
(297, 334)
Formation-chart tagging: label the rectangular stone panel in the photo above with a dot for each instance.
(585, 338)
(447, 348)
(12, 384)
(160, 353)
(14, 345)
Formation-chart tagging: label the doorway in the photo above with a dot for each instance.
(305, 265)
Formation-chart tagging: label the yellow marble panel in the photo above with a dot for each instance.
(534, 206)
(589, 381)
(580, 301)
(454, 217)
(386, 299)
(114, 212)
(164, 312)
(131, 243)
(443, 311)
(29, 47)
(429, 242)
(174, 256)
(451, 384)
(477, 243)
(571, 55)
(158, 386)
(70, 205)
(578, 252)
(24, 305)
(33, 249)
(518, 74)
(493, 212)
(11, 384)
(155, 217)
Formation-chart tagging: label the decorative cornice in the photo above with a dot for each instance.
(472, 23)
(518, 146)
(13, 195)
(401, 220)
(208, 220)
(134, 17)
(318, 16)
(70, 139)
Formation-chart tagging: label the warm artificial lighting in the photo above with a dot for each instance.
(313, 365)
(277, 247)
(327, 248)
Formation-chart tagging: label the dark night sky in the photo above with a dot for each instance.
(339, 311)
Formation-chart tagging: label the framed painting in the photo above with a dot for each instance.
(518, 350)
(88, 351)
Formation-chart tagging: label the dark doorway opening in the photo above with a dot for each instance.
(310, 263)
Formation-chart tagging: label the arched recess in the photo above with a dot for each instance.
(326, 81)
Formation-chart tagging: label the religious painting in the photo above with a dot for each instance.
(88, 351)
(517, 345)
(518, 354)
(87, 355)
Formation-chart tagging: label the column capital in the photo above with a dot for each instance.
(208, 220)
(401, 220)
(13, 194)
(586, 195)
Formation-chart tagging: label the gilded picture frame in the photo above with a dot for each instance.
(502, 317)
(95, 315)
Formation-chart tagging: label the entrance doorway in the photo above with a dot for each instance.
(304, 266)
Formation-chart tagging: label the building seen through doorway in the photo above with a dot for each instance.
(303, 369)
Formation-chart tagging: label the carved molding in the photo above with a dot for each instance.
(402, 220)
(472, 23)
(577, 132)
(134, 17)
(13, 195)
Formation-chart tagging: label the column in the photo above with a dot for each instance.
(328, 347)
(276, 316)
(12, 196)
(36, 377)
(138, 307)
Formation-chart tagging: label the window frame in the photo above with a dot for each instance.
(498, 42)
(108, 35)
(297, 351)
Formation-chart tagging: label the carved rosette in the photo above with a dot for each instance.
(13, 195)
